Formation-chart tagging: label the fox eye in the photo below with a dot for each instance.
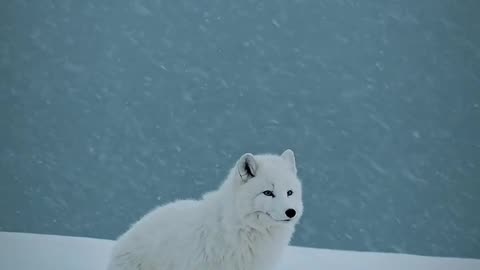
(268, 193)
(289, 193)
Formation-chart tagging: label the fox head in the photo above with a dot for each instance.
(267, 191)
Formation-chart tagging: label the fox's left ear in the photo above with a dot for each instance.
(289, 156)
(247, 167)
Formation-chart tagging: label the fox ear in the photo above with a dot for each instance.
(247, 167)
(289, 156)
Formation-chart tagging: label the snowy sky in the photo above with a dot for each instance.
(108, 108)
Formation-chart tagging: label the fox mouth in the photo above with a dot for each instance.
(278, 220)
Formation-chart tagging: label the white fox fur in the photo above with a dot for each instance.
(243, 225)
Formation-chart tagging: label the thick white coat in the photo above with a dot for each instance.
(236, 227)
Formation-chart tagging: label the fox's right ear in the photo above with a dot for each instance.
(247, 167)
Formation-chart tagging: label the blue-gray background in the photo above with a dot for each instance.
(108, 108)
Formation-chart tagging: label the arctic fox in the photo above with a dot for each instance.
(243, 225)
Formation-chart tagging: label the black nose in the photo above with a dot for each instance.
(290, 213)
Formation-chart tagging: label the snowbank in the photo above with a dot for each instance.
(20, 251)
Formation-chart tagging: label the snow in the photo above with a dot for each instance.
(22, 251)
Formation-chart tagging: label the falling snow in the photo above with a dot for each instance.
(108, 109)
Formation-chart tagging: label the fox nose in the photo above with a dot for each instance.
(290, 213)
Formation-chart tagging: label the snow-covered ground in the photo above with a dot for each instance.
(20, 251)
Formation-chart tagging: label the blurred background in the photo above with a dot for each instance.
(109, 108)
